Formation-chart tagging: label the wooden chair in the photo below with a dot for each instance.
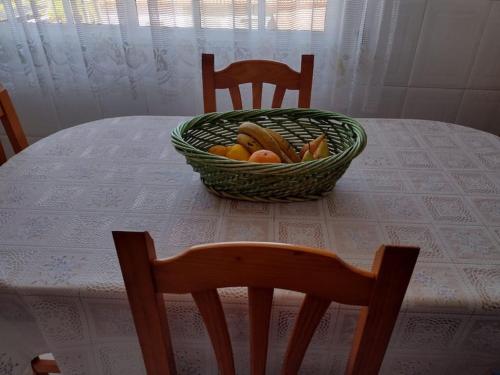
(321, 275)
(44, 366)
(18, 141)
(11, 124)
(256, 72)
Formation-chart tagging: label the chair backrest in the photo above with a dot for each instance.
(11, 124)
(256, 72)
(320, 275)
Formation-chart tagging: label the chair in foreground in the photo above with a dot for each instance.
(256, 72)
(11, 124)
(262, 267)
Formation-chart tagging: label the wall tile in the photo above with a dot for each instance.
(486, 71)
(450, 33)
(411, 15)
(481, 110)
(390, 104)
(432, 104)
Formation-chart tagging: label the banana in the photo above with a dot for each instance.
(263, 138)
(307, 156)
(322, 150)
(285, 146)
(312, 146)
(248, 142)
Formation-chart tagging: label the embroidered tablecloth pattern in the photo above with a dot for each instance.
(418, 182)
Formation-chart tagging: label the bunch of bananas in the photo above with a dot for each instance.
(262, 145)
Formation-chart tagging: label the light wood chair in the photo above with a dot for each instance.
(256, 72)
(11, 124)
(321, 275)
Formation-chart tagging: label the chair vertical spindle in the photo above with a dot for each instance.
(311, 312)
(210, 307)
(257, 95)
(279, 94)
(236, 97)
(260, 302)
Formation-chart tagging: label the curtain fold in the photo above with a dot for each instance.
(70, 61)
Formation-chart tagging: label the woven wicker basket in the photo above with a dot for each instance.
(270, 182)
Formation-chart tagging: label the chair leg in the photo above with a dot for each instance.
(44, 366)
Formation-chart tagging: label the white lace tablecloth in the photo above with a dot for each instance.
(426, 183)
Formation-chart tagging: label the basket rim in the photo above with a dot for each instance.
(190, 151)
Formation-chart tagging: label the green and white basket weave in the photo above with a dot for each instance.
(270, 182)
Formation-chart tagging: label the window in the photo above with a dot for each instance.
(234, 14)
(3, 13)
(101, 12)
(307, 15)
(229, 14)
(171, 13)
(296, 14)
(36, 10)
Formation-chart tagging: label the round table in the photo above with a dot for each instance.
(425, 183)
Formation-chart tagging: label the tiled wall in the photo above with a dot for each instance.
(445, 64)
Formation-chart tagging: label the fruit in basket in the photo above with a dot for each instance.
(264, 139)
(308, 156)
(285, 146)
(237, 152)
(248, 142)
(312, 146)
(218, 150)
(264, 156)
(322, 150)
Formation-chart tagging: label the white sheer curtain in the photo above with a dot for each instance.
(70, 61)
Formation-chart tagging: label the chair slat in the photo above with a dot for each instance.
(257, 95)
(210, 307)
(279, 94)
(394, 267)
(310, 314)
(266, 265)
(248, 71)
(236, 97)
(260, 302)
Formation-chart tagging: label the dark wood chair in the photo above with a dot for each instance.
(44, 366)
(11, 124)
(262, 267)
(256, 72)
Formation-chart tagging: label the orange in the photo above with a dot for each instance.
(237, 152)
(264, 156)
(218, 150)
